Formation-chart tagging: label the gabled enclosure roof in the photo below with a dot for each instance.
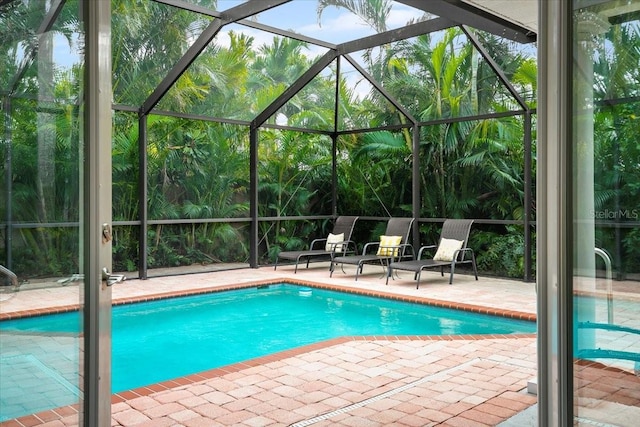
(325, 25)
(512, 19)
(339, 32)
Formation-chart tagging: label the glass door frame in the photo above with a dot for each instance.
(97, 214)
(554, 225)
(570, 34)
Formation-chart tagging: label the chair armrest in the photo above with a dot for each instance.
(427, 248)
(406, 252)
(370, 245)
(348, 246)
(314, 241)
(463, 252)
(344, 245)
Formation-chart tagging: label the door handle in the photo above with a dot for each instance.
(112, 279)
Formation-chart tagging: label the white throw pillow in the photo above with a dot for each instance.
(385, 242)
(332, 239)
(446, 249)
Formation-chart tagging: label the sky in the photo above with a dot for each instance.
(336, 26)
(300, 16)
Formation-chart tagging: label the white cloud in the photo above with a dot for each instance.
(336, 26)
(337, 29)
(400, 15)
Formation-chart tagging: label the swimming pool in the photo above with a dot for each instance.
(164, 339)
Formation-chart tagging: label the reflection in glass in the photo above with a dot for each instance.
(40, 91)
(606, 288)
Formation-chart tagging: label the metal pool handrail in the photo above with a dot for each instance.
(607, 262)
(11, 275)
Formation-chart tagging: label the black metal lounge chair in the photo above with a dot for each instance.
(392, 245)
(451, 251)
(338, 241)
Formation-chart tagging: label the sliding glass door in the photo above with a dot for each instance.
(589, 213)
(55, 93)
(606, 209)
(41, 211)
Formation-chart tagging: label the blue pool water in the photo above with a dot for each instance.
(160, 340)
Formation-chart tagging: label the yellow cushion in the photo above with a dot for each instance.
(446, 249)
(385, 242)
(332, 239)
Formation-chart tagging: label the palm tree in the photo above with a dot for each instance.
(372, 12)
(44, 132)
(151, 39)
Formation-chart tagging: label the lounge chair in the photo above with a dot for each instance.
(451, 251)
(392, 245)
(338, 241)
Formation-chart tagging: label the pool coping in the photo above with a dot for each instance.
(57, 413)
(512, 314)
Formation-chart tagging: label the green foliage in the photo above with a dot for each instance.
(383, 190)
(44, 252)
(198, 169)
(631, 258)
(500, 253)
(291, 236)
(616, 150)
(125, 248)
(622, 246)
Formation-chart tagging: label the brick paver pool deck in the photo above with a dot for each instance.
(351, 381)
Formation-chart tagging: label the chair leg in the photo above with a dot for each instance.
(389, 273)
(358, 270)
(453, 267)
(418, 274)
(473, 261)
(275, 265)
(442, 271)
(331, 268)
(295, 270)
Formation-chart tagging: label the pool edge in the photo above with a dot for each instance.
(511, 314)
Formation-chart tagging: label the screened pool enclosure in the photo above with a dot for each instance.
(242, 128)
(154, 137)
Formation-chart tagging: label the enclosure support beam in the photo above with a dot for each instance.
(415, 185)
(527, 197)
(143, 176)
(253, 197)
(408, 31)
(45, 26)
(294, 88)
(381, 89)
(181, 66)
(236, 13)
(334, 175)
(8, 237)
(495, 67)
(334, 143)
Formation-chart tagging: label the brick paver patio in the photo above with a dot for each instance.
(350, 381)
